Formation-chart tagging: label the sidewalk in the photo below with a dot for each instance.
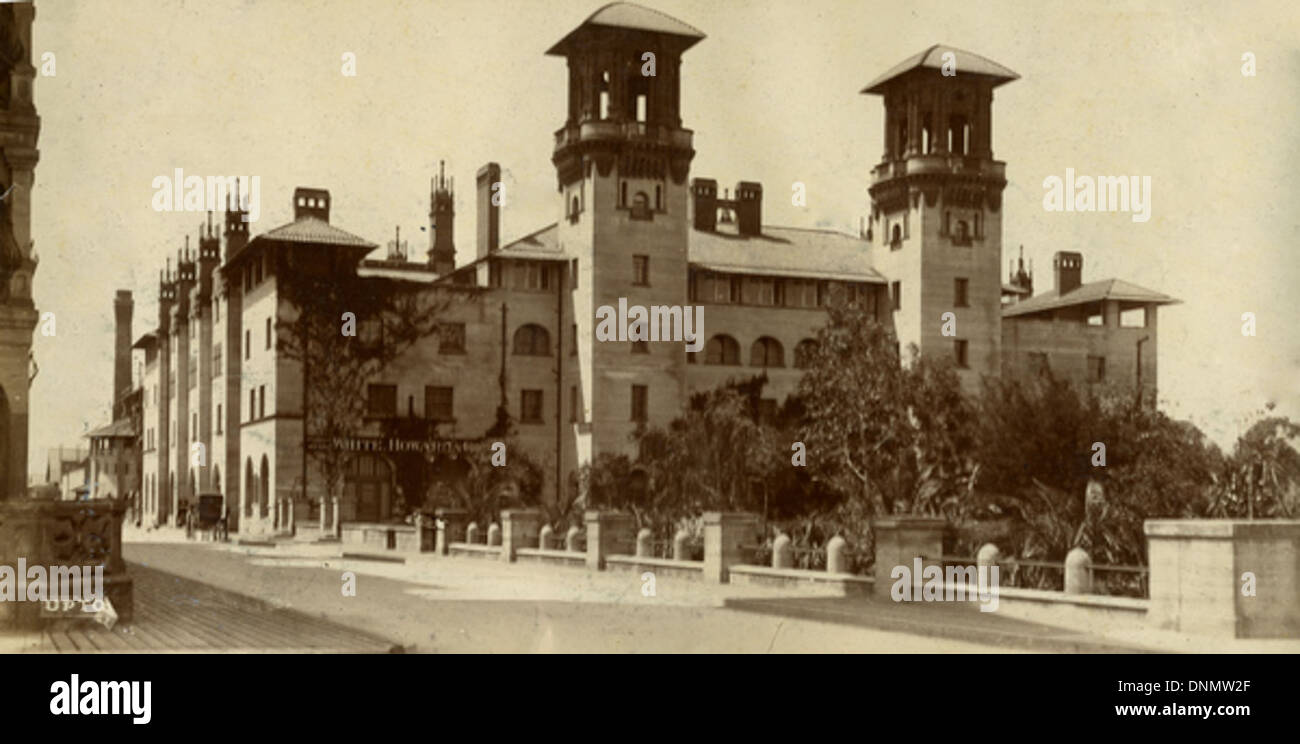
(178, 615)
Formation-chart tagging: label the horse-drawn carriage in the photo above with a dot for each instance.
(207, 515)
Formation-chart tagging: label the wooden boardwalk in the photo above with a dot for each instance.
(178, 615)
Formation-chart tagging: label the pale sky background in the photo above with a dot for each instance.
(229, 87)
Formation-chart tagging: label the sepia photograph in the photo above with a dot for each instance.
(676, 327)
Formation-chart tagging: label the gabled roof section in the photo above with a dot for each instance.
(630, 16)
(541, 245)
(968, 63)
(119, 428)
(314, 230)
(1107, 289)
(786, 252)
(146, 341)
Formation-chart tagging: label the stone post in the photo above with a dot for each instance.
(608, 533)
(471, 533)
(571, 539)
(494, 534)
(988, 555)
(519, 529)
(900, 541)
(546, 538)
(1225, 577)
(451, 526)
(725, 534)
(1078, 572)
(644, 543)
(836, 560)
(782, 552)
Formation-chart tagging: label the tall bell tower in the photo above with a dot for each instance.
(622, 161)
(19, 129)
(936, 213)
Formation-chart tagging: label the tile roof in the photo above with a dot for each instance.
(786, 251)
(779, 251)
(308, 229)
(968, 63)
(1107, 289)
(119, 428)
(631, 15)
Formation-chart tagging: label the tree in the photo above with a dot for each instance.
(485, 489)
(895, 438)
(344, 330)
(1262, 477)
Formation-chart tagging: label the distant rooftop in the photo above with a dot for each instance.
(1107, 289)
(967, 63)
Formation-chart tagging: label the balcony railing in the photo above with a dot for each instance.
(589, 131)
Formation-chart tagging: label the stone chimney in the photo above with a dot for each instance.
(749, 208)
(311, 203)
(489, 214)
(123, 308)
(1068, 267)
(704, 203)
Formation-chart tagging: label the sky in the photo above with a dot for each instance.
(236, 87)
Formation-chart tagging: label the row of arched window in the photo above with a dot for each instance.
(764, 352)
(534, 340)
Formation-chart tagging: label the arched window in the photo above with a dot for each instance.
(532, 340)
(250, 487)
(896, 236)
(766, 352)
(803, 353)
(722, 349)
(264, 488)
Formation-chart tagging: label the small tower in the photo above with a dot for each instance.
(936, 206)
(442, 220)
(622, 159)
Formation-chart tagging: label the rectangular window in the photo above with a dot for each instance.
(530, 406)
(438, 403)
(641, 271)
(261, 401)
(216, 360)
(959, 290)
(268, 333)
(193, 371)
(451, 338)
(1133, 318)
(248, 344)
(764, 291)
(721, 289)
(381, 401)
(252, 404)
(1096, 368)
(640, 402)
(778, 293)
(896, 294)
(960, 346)
(218, 418)
(735, 296)
(1095, 315)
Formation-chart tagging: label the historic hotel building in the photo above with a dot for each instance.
(631, 224)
